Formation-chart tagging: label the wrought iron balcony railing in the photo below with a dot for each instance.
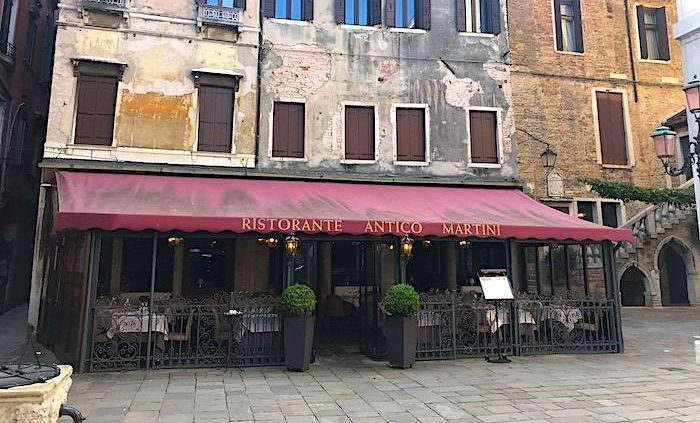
(215, 15)
(9, 51)
(108, 5)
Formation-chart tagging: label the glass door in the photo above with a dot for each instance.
(370, 295)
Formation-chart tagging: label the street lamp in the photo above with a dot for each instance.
(549, 158)
(406, 254)
(291, 245)
(665, 139)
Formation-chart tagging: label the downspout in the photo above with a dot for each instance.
(258, 88)
(631, 52)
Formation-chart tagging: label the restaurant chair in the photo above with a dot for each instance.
(186, 333)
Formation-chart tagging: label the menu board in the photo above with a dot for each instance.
(496, 288)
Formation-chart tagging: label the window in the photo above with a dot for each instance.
(609, 212)
(298, 10)
(483, 138)
(7, 27)
(209, 264)
(240, 4)
(19, 138)
(288, 130)
(586, 210)
(136, 262)
(410, 134)
(481, 16)
(408, 14)
(359, 133)
(215, 119)
(31, 41)
(611, 128)
(97, 98)
(568, 27)
(653, 33)
(358, 12)
(554, 269)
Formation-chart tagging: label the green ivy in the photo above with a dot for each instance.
(628, 192)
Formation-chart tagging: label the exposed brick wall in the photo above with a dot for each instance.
(553, 92)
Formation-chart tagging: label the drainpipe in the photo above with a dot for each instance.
(631, 52)
(258, 88)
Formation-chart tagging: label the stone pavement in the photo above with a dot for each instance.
(13, 335)
(655, 380)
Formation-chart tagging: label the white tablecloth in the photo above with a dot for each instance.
(568, 316)
(524, 318)
(135, 322)
(349, 294)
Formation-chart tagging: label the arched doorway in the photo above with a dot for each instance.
(633, 287)
(674, 274)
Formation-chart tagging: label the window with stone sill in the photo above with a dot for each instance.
(296, 10)
(358, 12)
(479, 16)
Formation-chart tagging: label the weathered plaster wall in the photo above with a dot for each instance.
(324, 64)
(553, 93)
(156, 113)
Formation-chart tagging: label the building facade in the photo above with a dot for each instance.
(26, 50)
(593, 80)
(201, 158)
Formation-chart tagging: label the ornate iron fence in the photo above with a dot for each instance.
(567, 325)
(224, 330)
(454, 325)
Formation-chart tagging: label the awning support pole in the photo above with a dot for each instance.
(150, 300)
(613, 289)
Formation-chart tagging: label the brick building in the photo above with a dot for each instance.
(27, 34)
(593, 80)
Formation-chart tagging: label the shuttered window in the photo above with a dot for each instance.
(410, 135)
(298, 10)
(408, 14)
(97, 98)
(359, 133)
(609, 211)
(215, 119)
(653, 33)
(611, 127)
(226, 4)
(481, 16)
(358, 12)
(568, 26)
(483, 138)
(288, 130)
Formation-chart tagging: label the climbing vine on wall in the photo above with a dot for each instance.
(628, 192)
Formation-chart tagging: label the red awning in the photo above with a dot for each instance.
(175, 203)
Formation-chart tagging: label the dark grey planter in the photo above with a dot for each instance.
(401, 340)
(298, 342)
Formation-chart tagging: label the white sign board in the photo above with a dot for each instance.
(496, 288)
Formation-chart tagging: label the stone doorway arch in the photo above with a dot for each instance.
(676, 267)
(635, 288)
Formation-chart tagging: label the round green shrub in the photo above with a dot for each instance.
(298, 300)
(402, 300)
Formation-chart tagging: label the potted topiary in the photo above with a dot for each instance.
(401, 304)
(298, 304)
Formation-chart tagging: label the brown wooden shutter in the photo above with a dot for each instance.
(288, 130)
(423, 14)
(340, 11)
(375, 12)
(483, 139)
(461, 15)
(557, 24)
(611, 127)
(269, 8)
(495, 17)
(97, 98)
(642, 33)
(390, 11)
(410, 135)
(662, 31)
(215, 119)
(578, 25)
(239, 3)
(308, 10)
(359, 133)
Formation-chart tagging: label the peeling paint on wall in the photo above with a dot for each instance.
(303, 70)
(501, 74)
(155, 120)
(386, 69)
(458, 91)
